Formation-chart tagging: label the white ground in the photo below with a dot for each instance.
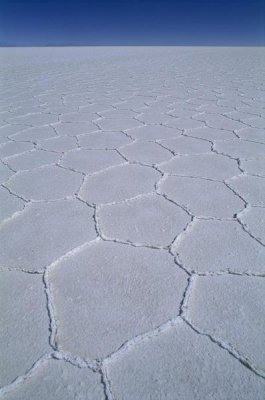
(132, 224)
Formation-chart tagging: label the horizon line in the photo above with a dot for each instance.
(134, 45)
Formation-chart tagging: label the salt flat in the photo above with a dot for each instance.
(132, 223)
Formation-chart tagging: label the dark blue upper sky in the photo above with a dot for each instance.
(134, 22)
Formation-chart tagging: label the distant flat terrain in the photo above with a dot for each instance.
(132, 223)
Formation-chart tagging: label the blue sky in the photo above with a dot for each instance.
(135, 22)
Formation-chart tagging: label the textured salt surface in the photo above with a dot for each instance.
(132, 223)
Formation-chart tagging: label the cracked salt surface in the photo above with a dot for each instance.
(100, 308)
(132, 223)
